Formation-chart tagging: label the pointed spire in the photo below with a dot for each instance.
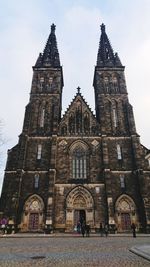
(106, 56)
(50, 56)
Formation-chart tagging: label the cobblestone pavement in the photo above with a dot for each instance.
(71, 251)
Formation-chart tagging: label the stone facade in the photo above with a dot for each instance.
(79, 167)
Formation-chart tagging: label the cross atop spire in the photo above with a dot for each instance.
(53, 27)
(78, 90)
(50, 56)
(106, 56)
(103, 27)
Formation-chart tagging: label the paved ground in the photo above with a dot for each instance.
(71, 251)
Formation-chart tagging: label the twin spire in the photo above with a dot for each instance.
(50, 56)
(105, 58)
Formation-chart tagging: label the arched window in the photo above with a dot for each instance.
(78, 118)
(115, 118)
(64, 130)
(122, 181)
(50, 82)
(86, 123)
(42, 115)
(71, 124)
(36, 181)
(115, 84)
(39, 151)
(106, 84)
(41, 83)
(119, 152)
(79, 164)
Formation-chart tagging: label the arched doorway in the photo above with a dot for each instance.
(125, 213)
(32, 219)
(79, 207)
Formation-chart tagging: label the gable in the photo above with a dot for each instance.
(78, 119)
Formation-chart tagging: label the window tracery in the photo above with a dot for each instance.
(106, 84)
(41, 83)
(115, 84)
(79, 164)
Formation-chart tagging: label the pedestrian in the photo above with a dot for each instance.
(78, 227)
(83, 229)
(101, 229)
(133, 227)
(87, 230)
(106, 230)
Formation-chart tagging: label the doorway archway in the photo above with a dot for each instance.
(125, 213)
(32, 218)
(79, 207)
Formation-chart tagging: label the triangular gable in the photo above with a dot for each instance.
(79, 118)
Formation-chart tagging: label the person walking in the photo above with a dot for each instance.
(101, 229)
(78, 227)
(83, 229)
(106, 230)
(87, 230)
(133, 227)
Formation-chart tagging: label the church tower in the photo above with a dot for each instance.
(46, 92)
(123, 155)
(113, 109)
(31, 163)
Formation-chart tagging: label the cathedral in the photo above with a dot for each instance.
(80, 166)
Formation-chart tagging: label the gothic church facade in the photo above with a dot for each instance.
(78, 166)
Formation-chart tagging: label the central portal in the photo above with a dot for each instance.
(79, 216)
(79, 208)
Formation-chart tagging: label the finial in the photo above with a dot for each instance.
(103, 27)
(78, 89)
(53, 27)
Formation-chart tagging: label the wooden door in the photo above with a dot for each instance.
(125, 221)
(33, 221)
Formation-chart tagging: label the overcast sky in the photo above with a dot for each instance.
(24, 29)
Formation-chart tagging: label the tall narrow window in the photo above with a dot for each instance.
(42, 115)
(106, 84)
(39, 151)
(36, 181)
(50, 82)
(79, 165)
(115, 117)
(72, 124)
(122, 181)
(86, 123)
(115, 84)
(41, 83)
(119, 153)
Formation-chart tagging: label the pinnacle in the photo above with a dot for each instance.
(102, 27)
(53, 27)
